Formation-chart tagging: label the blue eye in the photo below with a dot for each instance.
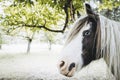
(86, 33)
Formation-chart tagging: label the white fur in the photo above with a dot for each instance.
(72, 51)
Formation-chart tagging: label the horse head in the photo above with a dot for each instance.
(80, 48)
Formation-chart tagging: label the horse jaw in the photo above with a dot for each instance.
(72, 53)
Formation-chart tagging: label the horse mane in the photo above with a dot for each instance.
(110, 44)
(108, 41)
(76, 27)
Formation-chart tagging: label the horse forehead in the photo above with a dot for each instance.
(85, 27)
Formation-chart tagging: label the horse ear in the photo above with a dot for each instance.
(89, 10)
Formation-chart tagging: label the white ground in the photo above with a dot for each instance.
(42, 66)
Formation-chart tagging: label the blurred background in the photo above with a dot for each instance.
(32, 32)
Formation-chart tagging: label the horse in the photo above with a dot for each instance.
(92, 37)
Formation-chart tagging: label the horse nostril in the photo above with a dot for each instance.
(72, 65)
(62, 64)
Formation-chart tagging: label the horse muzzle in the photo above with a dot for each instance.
(67, 69)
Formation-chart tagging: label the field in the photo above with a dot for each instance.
(42, 65)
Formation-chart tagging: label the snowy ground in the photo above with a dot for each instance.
(42, 66)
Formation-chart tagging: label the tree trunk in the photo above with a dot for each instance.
(50, 44)
(0, 46)
(29, 45)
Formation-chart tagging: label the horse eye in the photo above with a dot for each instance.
(86, 33)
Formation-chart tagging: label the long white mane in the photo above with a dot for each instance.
(110, 44)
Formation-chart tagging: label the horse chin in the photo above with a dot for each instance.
(68, 74)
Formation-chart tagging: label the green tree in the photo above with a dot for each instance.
(50, 38)
(109, 8)
(32, 18)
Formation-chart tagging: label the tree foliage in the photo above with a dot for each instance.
(35, 16)
(110, 9)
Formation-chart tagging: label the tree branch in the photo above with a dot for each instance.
(22, 24)
(44, 27)
(66, 12)
(72, 11)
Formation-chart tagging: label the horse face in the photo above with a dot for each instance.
(80, 51)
